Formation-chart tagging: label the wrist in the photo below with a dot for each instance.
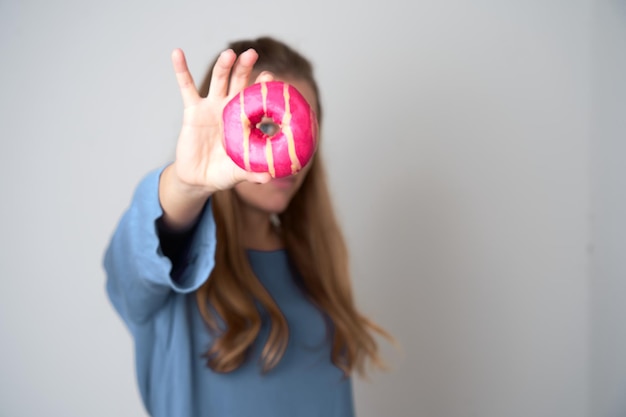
(181, 203)
(186, 189)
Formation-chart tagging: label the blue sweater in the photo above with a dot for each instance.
(170, 336)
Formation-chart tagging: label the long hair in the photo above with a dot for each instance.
(315, 245)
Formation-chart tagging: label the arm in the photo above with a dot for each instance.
(139, 278)
(139, 274)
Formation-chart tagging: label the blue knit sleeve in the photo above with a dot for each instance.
(139, 279)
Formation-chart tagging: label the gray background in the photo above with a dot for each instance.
(477, 157)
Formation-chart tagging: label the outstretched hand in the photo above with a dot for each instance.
(201, 161)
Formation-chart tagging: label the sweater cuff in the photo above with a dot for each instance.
(200, 258)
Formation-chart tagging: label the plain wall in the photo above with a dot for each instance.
(457, 140)
(608, 156)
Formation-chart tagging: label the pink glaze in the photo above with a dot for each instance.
(282, 154)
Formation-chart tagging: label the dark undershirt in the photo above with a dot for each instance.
(175, 245)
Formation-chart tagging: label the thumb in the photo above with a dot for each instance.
(239, 175)
(258, 177)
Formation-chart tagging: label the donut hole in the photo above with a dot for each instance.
(268, 126)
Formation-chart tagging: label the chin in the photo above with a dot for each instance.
(265, 198)
(276, 208)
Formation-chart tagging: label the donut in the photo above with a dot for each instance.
(270, 127)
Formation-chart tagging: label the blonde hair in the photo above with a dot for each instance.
(315, 245)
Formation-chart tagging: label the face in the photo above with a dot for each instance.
(274, 196)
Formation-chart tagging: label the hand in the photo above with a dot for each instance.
(202, 166)
(201, 162)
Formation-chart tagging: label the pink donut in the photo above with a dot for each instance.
(282, 153)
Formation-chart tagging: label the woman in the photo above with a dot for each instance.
(235, 286)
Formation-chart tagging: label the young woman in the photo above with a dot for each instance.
(235, 286)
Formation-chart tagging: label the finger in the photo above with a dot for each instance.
(185, 81)
(240, 76)
(264, 76)
(221, 74)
